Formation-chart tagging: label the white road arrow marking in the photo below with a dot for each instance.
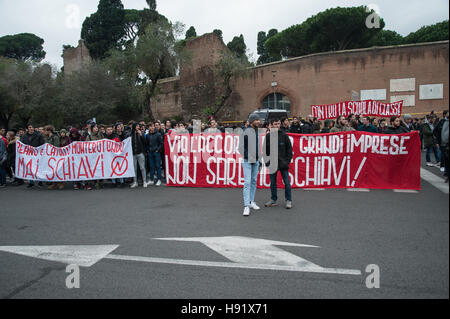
(84, 256)
(244, 252)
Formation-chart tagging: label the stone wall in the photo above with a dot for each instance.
(74, 58)
(197, 77)
(167, 104)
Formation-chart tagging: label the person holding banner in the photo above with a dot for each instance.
(95, 135)
(110, 135)
(52, 139)
(249, 148)
(75, 136)
(280, 163)
(341, 125)
(396, 126)
(3, 158)
(35, 139)
(367, 126)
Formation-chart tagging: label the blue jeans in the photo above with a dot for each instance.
(436, 152)
(287, 185)
(154, 159)
(121, 180)
(250, 175)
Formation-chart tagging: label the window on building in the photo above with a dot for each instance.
(276, 101)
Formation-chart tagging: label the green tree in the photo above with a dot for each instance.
(132, 23)
(264, 56)
(238, 47)
(435, 32)
(157, 57)
(191, 33)
(228, 67)
(151, 4)
(219, 33)
(27, 89)
(330, 30)
(93, 92)
(103, 29)
(23, 46)
(386, 38)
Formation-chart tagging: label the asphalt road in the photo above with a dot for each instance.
(405, 234)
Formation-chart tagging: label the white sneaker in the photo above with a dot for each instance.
(145, 185)
(430, 164)
(247, 211)
(158, 183)
(134, 185)
(254, 206)
(151, 183)
(442, 169)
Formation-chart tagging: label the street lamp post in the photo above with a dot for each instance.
(274, 85)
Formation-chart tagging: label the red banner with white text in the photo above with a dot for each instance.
(336, 160)
(364, 108)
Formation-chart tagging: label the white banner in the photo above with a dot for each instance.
(79, 161)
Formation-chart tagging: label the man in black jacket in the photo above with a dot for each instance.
(280, 162)
(308, 127)
(396, 126)
(35, 139)
(154, 144)
(138, 146)
(296, 128)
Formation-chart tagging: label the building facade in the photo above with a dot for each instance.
(418, 74)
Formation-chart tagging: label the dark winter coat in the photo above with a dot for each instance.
(11, 161)
(396, 130)
(284, 150)
(296, 129)
(75, 136)
(369, 128)
(307, 128)
(428, 137)
(35, 139)
(94, 136)
(64, 141)
(244, 147)
(154, 142)
(52, 140)
(138, 143)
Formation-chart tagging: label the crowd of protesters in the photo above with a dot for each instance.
(148, 141)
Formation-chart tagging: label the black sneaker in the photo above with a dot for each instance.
(30, 185)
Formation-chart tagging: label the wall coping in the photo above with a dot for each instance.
(329, 53)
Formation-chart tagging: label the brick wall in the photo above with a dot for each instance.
(327, 78)
(74, 58)
(383, 73)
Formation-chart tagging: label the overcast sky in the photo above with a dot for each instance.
(59, 22)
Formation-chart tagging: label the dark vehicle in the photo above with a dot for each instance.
(265, 115)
